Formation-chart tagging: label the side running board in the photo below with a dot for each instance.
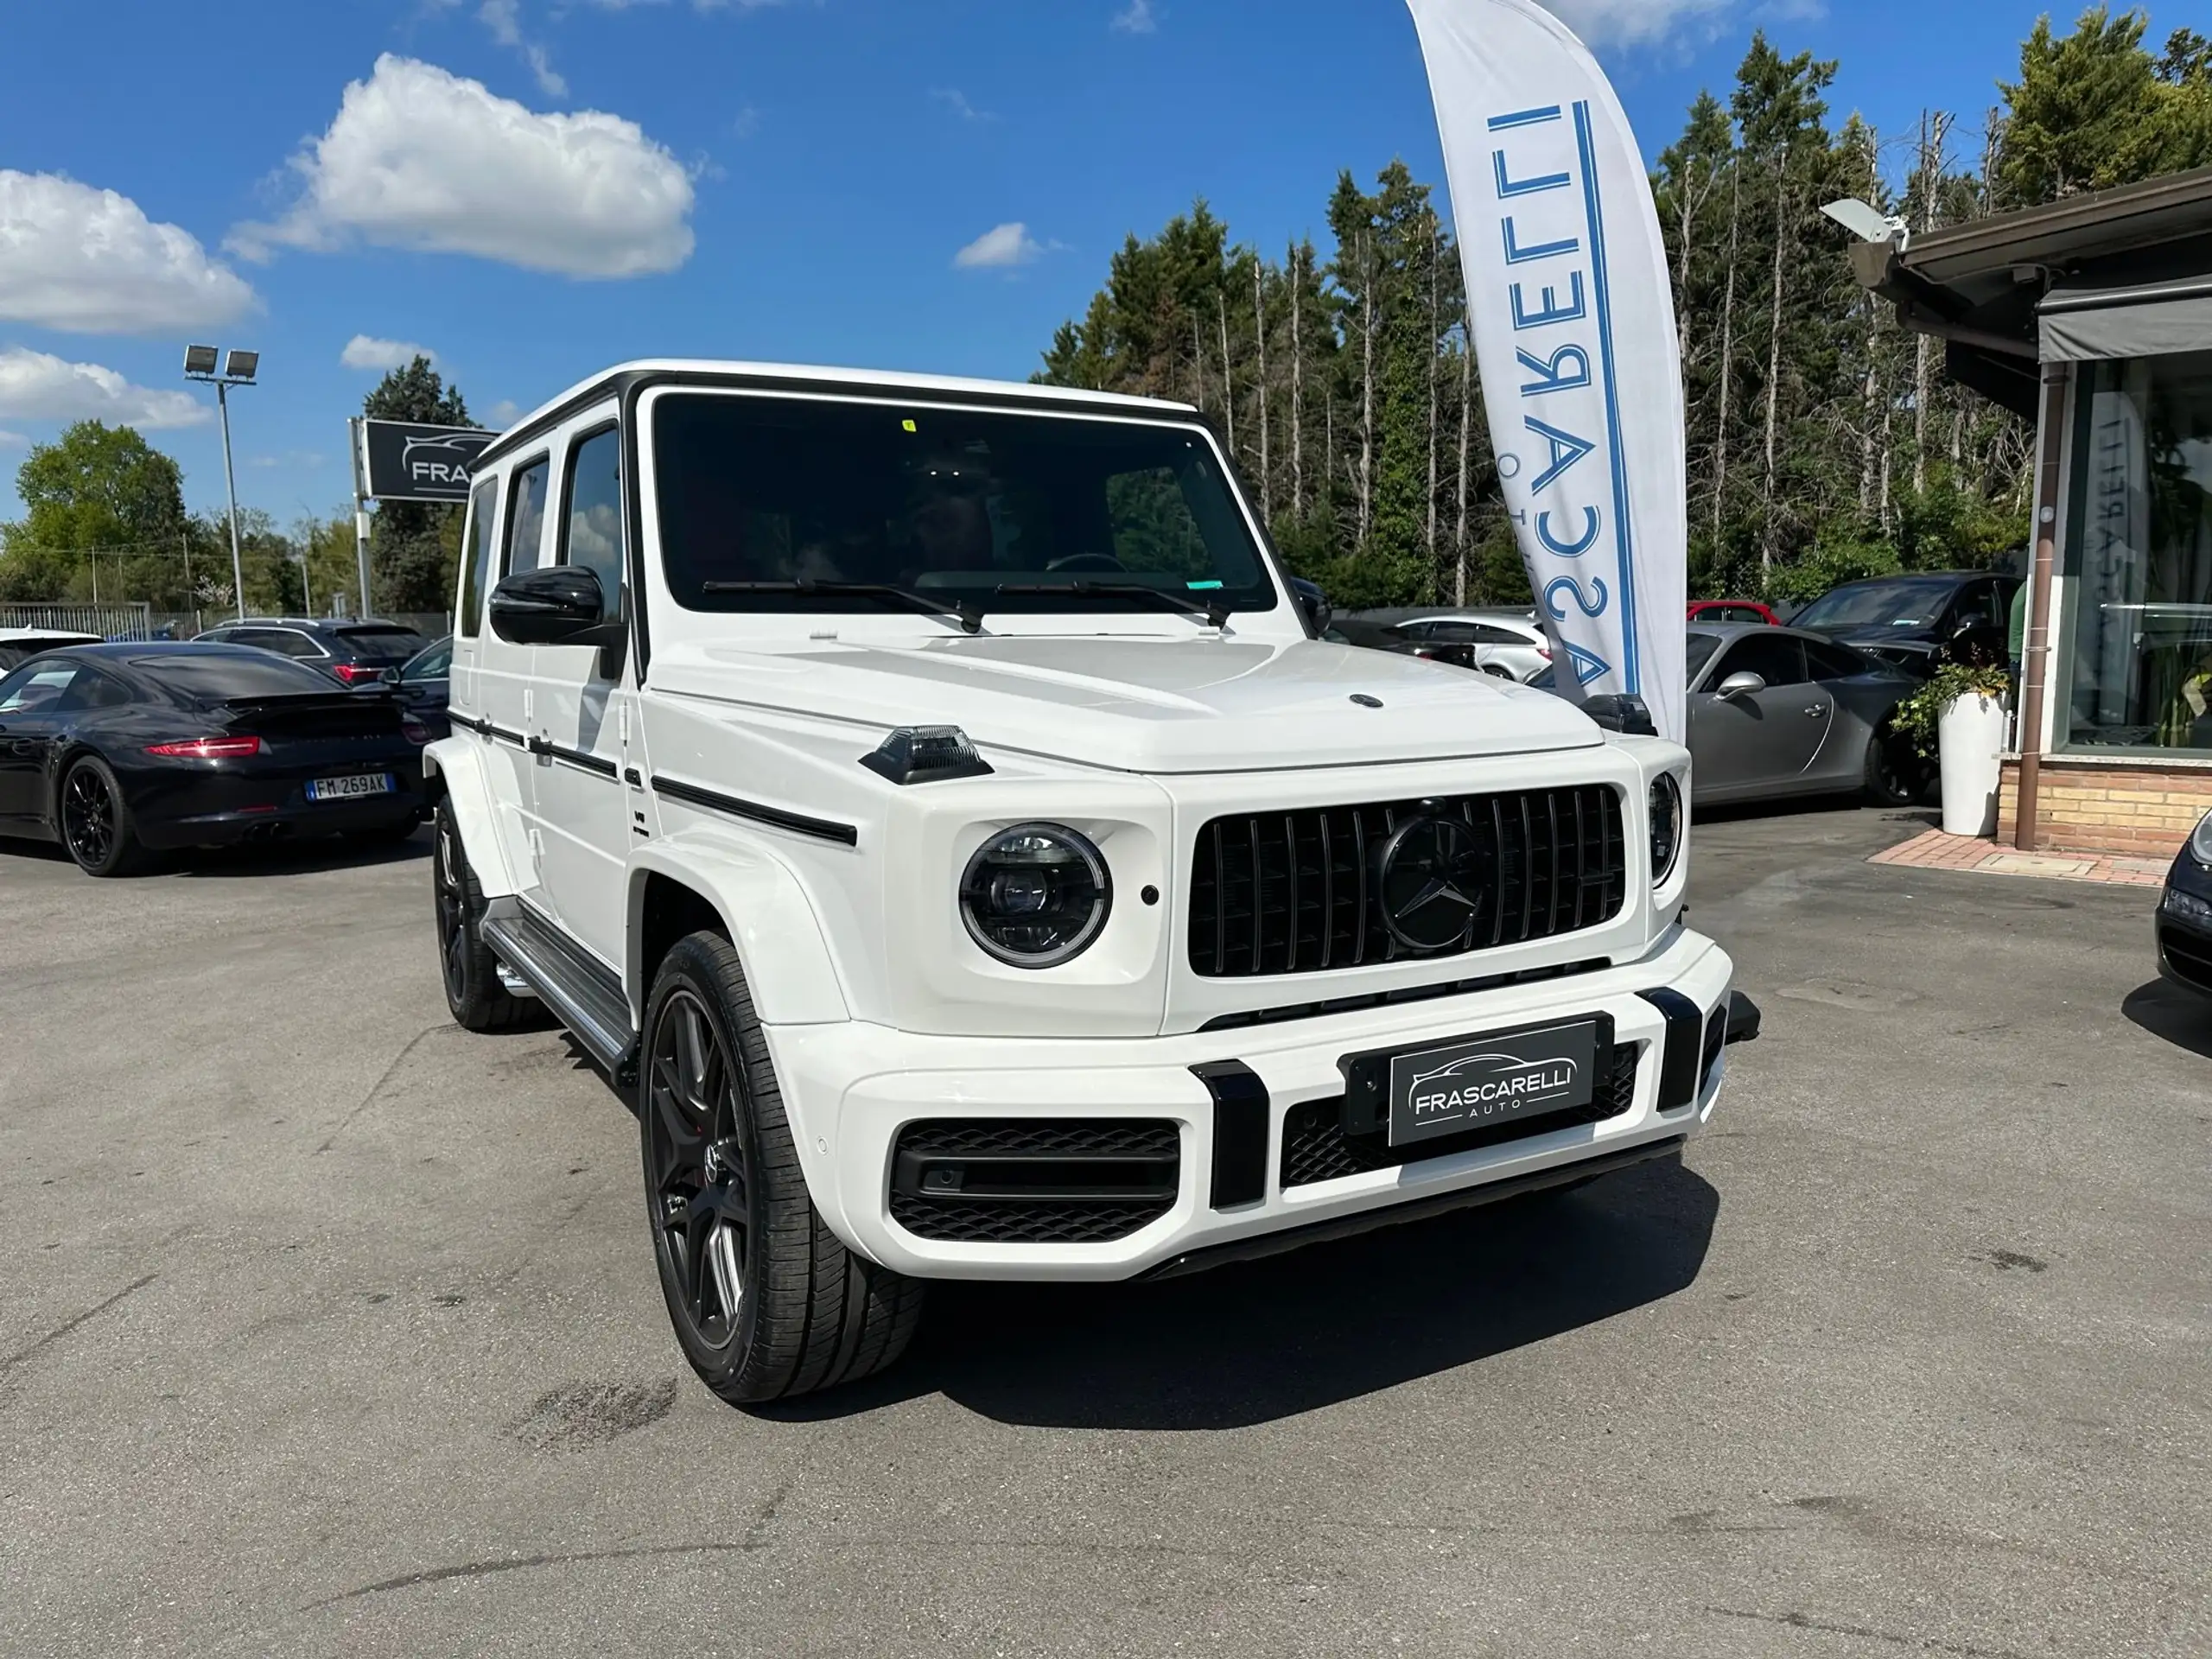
(586, 996)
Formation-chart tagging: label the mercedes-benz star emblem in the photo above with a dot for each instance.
(1432, 870)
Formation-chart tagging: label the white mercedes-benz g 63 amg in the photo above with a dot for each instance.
(930, 799)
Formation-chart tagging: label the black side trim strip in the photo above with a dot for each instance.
(598, 764)
(1295, 1238)
(775, 816)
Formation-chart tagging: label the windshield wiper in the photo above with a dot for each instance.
(1215, 610)
(970, 612)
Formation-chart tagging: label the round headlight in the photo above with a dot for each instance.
(1666, 826)
(2200, 843)
(1035, 895)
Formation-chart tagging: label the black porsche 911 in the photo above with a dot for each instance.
(118, 750)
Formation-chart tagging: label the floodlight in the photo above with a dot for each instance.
(199, 360)
(1867, 224)
(240, 365)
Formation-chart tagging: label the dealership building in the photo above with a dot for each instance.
(2093, 318)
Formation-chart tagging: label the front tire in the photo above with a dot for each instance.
(475, 996)
(95, 820)
(766, 1303)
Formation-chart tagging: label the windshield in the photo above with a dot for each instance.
(955, 504)
(1905, 604)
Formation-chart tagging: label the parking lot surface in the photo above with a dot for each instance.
(331, 1328)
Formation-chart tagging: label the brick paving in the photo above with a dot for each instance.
(1934, 850)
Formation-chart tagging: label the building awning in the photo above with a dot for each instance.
(2082, 323)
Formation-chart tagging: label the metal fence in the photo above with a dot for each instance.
(138, 620)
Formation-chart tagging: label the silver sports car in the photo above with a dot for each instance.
(1777, 711)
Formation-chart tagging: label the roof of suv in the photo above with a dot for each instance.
(710, 370)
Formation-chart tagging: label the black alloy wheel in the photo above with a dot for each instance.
(766, 1302)
(475, 996)
(1897, 774)
(696, 1166)
(96, 820)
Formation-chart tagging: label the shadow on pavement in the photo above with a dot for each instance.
(1266, 1340)
(246, 863)
(2172, 1015)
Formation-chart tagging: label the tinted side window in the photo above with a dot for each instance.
(37, 688)
(93, 689)
(591, 524)
(526, 518)
(1834, 662)
(476, 555)
(1776, 658)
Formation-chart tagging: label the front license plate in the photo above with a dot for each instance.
(346, 789)
(1480, 1082)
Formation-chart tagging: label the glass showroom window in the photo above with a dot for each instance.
(2140, 554)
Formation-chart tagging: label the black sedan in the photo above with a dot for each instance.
(2185, 914)
(116, 751)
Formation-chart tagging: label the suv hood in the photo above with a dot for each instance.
(1144, 704)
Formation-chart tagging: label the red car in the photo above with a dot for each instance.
(1733, 610)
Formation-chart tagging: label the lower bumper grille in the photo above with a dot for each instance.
(1316, 1149)
(2188, 954)
(1033, 1181)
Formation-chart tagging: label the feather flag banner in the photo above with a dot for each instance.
(1572, 317)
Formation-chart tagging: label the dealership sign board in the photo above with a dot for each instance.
(407, 461)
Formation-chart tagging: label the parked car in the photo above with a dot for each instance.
(117, 750)
(1733, 610)
(420, 684)
(1510, 645)
(1775, 712)
(352, 653)
(1918, 622)
(2185, 926)
(945, 820)
(18, 645)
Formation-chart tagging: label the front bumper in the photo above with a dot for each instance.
(2185, 926)
(849, 1089)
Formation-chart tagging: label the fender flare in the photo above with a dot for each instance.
(764, 907)
(453, 770)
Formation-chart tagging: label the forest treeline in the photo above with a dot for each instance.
(1824, 441)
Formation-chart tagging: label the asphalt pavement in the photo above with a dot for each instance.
(330, 1328)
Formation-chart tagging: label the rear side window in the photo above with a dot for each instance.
(591, 524)
(371, 644)
(212, 677)
(526, 518)
(476, 557)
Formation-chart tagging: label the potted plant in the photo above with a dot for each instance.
(1958, 717)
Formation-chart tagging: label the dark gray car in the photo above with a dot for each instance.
(1775, 712)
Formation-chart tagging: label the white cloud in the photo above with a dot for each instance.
(503, 19)
(1000, 250)
(90, 261)
(12, 440)
(955, 100)
(1139, 18)
(420, 158)
(506, 412)
(37, 386)
(367, 352)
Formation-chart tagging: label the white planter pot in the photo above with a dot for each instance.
(1970, 736)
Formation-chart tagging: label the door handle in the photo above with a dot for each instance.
(1817, 710)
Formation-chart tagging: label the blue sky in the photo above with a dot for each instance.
(791, 182)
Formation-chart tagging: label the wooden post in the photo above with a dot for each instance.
(2035, 645)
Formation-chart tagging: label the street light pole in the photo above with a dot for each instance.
(239, 369)
(231, 486)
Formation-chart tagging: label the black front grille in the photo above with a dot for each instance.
(2189, 956)
(1033, 1181)
(1316, 1149)
(1299, 891)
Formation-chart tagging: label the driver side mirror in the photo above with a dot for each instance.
(1314, 603)
(560, 605)
(1742, 683)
